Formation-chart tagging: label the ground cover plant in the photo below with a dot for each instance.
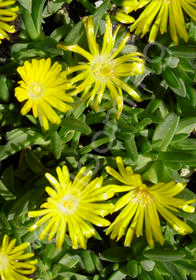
(97, 139)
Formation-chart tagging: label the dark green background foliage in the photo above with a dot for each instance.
(155, 137)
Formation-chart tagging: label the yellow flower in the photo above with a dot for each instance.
(158, 12)
(74, 205)
(123, 14)
(12, 260)
(143, 204)
(104, 69)
(43, 86)
(7, 14)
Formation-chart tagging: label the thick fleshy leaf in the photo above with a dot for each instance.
(166, 130)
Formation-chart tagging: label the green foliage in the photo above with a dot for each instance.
(156, 137)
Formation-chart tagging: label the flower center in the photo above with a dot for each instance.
(36, 91)
(101, 68)
(69, 203)
(143, 196)
(3, 261)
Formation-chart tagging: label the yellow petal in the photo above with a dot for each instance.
(90, 33)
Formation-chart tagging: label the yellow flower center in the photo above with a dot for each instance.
(69, 203)
(143, 196)
(36, 91)
(3, 261)
(101, 68)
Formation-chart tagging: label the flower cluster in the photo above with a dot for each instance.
(74, 206)
(44, 85)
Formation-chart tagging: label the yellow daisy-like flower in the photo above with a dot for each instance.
(104, 69)
(43, 86)
(158, 12)
(143, 204)
(7, 14)
(13, 264)
(74, 205)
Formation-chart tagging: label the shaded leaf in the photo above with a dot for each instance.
(117, 254)
(166, 130)
(132, 268)
(74, 124)
(163, 255)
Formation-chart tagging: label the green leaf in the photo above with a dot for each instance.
(143, 144)
(33, 162)
(4, 88)
(190, 266)
(186, 125)
(46, 45)
(30, 25)
(88, 261)
(5, 69)
(95, 118)
(19, 139)
(88, 5)
(94, 145)
(172, 61)
(131, 147)
(175, 82)
(74, 124)
(145, 159)
(125, 126)
(37, 9)
(76, 33)
(144, 276)
(29, 53)
(163, 255)
(4, 224)
(56, 145)
(179, 137)
(179, 156)
(185, 51)
(132, 268)
(26, 4)
(71, 275)
(186, 144)
(148, 265)
(7, 178)
(27, 202)
(117, 275)
(116, 254)
(141, 125)
(60, 32)
(110, 128)
(50, 253)
(174, 271)
(156, 275)
(52, 7)
(173, 172)
(166, 130)
(101, 10)
(5, 193)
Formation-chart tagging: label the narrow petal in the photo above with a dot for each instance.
(90, 33)
(175, 222)
(76, 49)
